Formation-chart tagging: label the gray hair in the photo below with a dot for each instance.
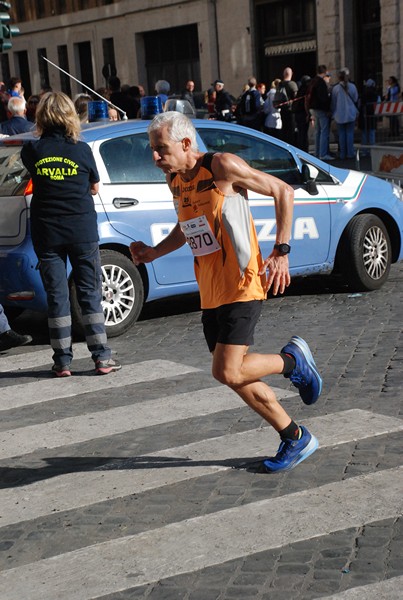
(179, 126)
(162, 87)
(16, 105)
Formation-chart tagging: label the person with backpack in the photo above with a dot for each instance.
(317, 103)
(249, 110)
(286, 92)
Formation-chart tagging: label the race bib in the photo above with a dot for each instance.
(199, 236)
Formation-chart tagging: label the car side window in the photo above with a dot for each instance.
(128, 159)
(258, 153)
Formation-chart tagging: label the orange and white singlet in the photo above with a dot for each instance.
(221, 234)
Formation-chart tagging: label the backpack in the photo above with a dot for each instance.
(248, 103)
(281, 97)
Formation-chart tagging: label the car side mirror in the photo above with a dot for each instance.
(309, 174)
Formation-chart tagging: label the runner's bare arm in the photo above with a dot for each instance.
(232, 171)
(141, 253)
(232, 174)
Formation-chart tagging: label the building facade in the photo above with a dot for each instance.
(143, 41)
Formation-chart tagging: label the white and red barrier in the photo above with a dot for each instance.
(389, 108)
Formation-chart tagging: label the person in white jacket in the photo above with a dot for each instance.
(272, 122)
(344, 109)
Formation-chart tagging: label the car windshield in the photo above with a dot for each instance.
(13, 174)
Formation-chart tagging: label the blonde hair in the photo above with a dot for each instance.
(55, 109)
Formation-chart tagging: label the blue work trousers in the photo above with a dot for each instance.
(86, 270)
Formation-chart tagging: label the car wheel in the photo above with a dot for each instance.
(365, 256)
(122, 295)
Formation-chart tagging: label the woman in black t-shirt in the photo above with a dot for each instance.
(64, 226)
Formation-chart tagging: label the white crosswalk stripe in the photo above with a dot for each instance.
(203, 541)
(118, 420)
(390, 589)
(16, 396)
(31, 360)
(41, 498)
(254, 527)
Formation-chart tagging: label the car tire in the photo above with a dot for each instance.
(365, 253)
(122, 295)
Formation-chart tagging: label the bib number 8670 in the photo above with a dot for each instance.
(199, 240)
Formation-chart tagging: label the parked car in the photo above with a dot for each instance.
(344, 221)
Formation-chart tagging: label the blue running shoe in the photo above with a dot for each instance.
(305, 376)
(291, 452)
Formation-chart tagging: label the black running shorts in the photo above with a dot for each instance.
(231, 323)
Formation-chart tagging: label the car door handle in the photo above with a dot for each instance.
(124, 202)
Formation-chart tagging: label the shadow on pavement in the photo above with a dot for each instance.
(17, 476)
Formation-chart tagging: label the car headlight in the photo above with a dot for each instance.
(398, 192)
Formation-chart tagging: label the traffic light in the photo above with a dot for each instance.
(6, 31)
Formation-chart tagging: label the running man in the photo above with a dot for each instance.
(210, 197)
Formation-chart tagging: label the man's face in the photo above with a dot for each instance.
(218, 87)
(190, 86)
(168, 155)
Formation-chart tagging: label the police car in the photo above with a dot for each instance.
(344, 221)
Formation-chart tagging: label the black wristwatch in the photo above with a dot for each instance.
(283, 248)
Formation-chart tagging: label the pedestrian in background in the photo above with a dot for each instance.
(366, 118)
(216, 222)
(249, 109)
(15, 87)
(187, 93)
(119, 96)
(64, 227)
(17, 123)
(302, 116)
(261, 88)
(8, 337)
(272, 123)
(344, 107)
(4, 98)
(223, 102)
(393, 95)
(317, 103)
(32, 105)
(81, 102)
(289, 89)
(209, 101)
(162, 89)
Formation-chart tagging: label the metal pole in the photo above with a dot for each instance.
(124, 117)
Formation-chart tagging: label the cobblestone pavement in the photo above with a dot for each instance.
(62, 537)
